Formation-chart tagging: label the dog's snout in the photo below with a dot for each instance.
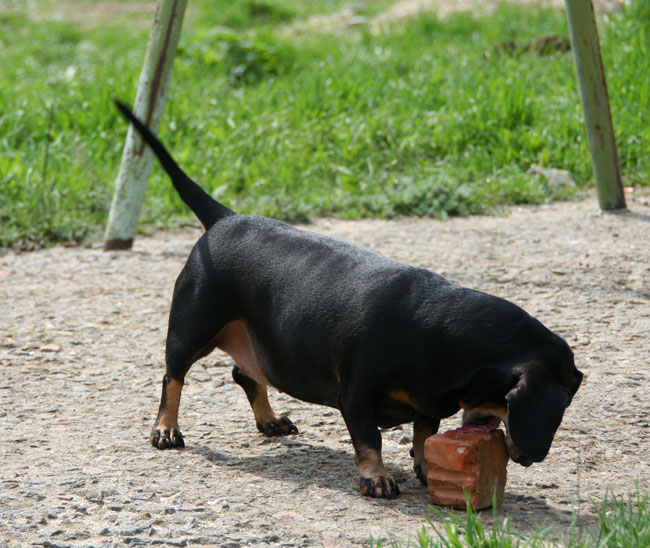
(517, 455)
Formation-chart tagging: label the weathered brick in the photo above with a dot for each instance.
(471, 461)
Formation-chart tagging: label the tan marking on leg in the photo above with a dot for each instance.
(165, 432)
(268, 422)
(374, 479)
(262, 408)
(370, 463)
(168, 415)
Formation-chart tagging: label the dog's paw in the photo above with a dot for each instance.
(277, 427)
(381, 487)
(165, 439)
(420, 469)
(420, 474)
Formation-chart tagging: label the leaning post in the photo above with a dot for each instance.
(131, 183)
(595, 103)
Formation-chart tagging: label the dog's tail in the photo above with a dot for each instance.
(204, 206)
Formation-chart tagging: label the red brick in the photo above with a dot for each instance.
(471, 461)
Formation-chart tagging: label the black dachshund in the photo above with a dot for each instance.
(331, 323)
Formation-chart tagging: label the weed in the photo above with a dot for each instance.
(623, 522)
(620, 523)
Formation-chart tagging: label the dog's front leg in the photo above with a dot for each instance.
(423, 427)
(374, 480)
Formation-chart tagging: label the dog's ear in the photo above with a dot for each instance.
(536, 405)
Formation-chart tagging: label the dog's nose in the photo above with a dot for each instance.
(523, 460)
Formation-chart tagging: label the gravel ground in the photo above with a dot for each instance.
(81, 358)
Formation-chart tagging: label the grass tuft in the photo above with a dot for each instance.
(624, 523)
(620, 523)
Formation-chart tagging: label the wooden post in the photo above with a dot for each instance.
(131, 184)
(595, 103)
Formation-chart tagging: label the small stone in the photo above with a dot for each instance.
(51, 348)
(130, 531)
(136, 541)
(292, 443)
(170, 542)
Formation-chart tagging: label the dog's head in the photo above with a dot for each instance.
(536, 405)
(538, 393)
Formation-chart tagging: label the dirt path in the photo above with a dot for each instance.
(81, 358)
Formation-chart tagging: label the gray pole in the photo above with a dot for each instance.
(595, 103)
(131, 183)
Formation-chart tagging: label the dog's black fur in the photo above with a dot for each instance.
(334, 324)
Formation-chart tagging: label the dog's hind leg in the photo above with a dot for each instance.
(165, 432)
(197, 316)
(267, 421)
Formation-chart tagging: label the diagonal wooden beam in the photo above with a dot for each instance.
(131, 183)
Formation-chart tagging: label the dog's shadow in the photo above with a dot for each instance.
(303, 466)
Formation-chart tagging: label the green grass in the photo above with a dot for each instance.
(424, 118)
(244, 14)
(619, 523)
